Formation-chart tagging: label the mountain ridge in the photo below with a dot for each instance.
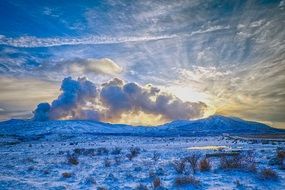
(213, 125)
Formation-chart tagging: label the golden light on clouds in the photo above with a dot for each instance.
(139, 118)
(22, 94)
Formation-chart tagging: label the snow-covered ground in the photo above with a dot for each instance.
(88, 161)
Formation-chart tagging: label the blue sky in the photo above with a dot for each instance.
(229, 55)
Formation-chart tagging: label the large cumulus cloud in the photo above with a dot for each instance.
(71, 103)
(81, 99)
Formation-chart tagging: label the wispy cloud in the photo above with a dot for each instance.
(34, 42)
(30, 41)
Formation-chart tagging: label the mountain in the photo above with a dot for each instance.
(213, 125)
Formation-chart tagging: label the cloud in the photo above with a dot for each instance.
(254, 92)
(98, 66)
(81, 99)
(75, 95)
(21, 94)
(32, 42)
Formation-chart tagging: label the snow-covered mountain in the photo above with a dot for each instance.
(213, 125)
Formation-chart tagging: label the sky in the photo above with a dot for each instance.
(142, 62)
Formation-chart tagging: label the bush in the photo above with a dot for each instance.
(281, 155)
(84, 151)
(248, 162)
(239, 185)
(66, 174)
(101, 188)
(281, 158)
(102, 151)
(116, 151)
(244, 161)
(141, 187)
(156, 183)
(193, 161)
(118, 160)
(152, 174)
(156, 156)
(107, 163)
(90, 180)
(187, 180)
(268, 174)
(72, 160)
(230, 162)
(134, 152)
(205, 165)
(179, 166)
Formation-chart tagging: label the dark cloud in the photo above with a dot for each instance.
(81, 99)
(76, 94)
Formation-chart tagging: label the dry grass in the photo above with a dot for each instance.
(187, 180)
(205, 165)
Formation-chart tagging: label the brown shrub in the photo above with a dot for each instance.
(268, 174)
(231, 162)
(205, 165)
(134, 152)
(244, 161)
(102, 188)
(156, 156)
(152, 174)
(90, 180)
(84, 151)
(281, 158)
(187, 180)
(248, 162)
(179, 166)
(102, 151)
(107, 163)
(118, 160)
(66, 174)
(141, 187)
(116, 151)
(72, 160)
(193, 161)
(281, 154)
(156, 182)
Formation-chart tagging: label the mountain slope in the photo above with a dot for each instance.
(213, 125)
